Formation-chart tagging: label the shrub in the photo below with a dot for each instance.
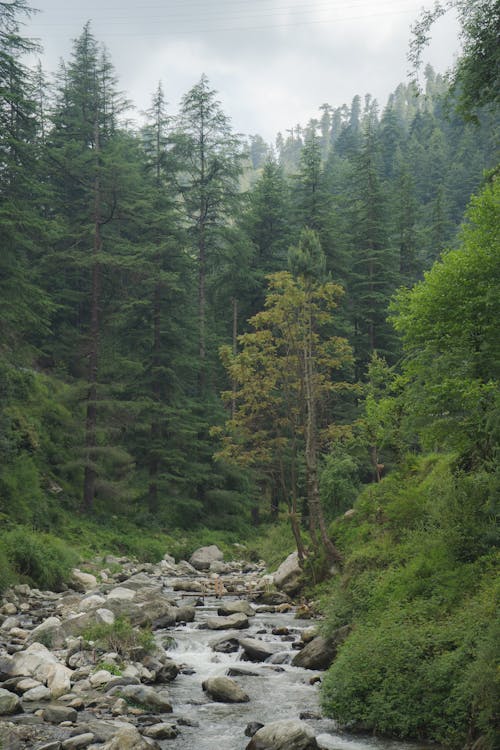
(41, 559)
(120, 637)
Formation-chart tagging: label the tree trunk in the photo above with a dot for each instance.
(154, 463)
(316, 517)
(90, 473)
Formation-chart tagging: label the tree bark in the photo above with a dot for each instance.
(90, 473)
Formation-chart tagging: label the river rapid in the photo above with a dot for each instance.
(277, 690)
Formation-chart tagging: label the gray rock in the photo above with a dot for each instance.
(284, 735)
(83, 581)
(237, 621)
(162, 732)
(202, 557)
(127, 738)
(78, 741)
(320, 652)
(231, 608)
(38, 693)
(225, 690)
(9, 703)
(147, 697)
(257, 650)
(288, 577)
(55, 714)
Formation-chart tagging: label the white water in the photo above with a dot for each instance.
(279, 691)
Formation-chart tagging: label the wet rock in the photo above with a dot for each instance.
(194, 587)
(252, 727)
(225, 690)
(9, 703)
(204, 556)
(186, 613)
(226, 645)
(237, 621)
(320, 652)
(162, 732)
(284, 735)
(257, 650)
(231, 608)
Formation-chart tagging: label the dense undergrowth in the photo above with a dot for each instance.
(419, 586)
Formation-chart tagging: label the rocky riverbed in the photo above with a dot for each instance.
(231, 665)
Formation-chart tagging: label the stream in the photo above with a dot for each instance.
(276, 689)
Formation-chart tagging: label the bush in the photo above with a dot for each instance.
(120, 637)
(40, 559)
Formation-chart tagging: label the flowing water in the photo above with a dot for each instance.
(277, 690)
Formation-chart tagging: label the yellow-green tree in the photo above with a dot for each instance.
(283, 379)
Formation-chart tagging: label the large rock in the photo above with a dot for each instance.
(156, 700)
(231, 608)
(204, 556)
(83, 581)
(225, 690)
(284, 735)
(35, 661)
(257, 650)
(48, 632)
(54, 714)
(288, 577)
(127, 738)
(9, 703)
(320, 652)
(236, 621)
(59, 680)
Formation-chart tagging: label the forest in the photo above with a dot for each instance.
(206, 337)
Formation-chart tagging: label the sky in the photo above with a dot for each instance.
(272, 62)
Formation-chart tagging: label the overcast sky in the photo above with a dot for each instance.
(273, 62)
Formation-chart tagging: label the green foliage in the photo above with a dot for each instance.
(120, 637)
(109, 667)
(40, 559)
(419, 585)
(273, 543)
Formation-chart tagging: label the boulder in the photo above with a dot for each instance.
(162, 731)
(288, 577)
(284, 735)
(54, 714)
(127, 738)
(204, 556)
(231, 608)
(317, 654)
(91, 602)
(122, 594)
(257, 650)
(225, 690)
(59, 680)
(156, 700)
(83, 581)
(237, 621)
(9, 703)
(38, 693)
(49, 631)
(78, 741)
(34, 661)
(104, 616)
